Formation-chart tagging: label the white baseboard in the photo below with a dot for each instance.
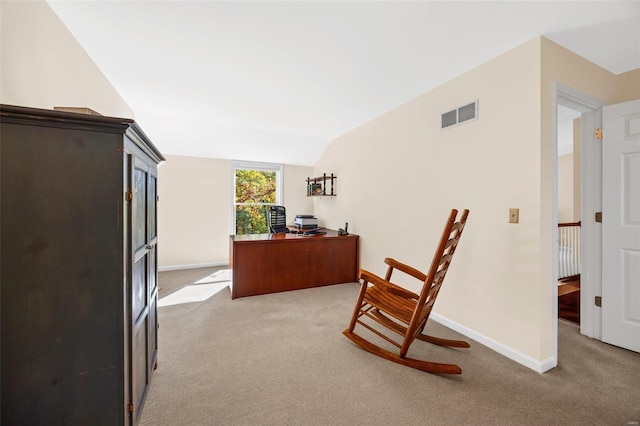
(191, 266)
(517, 356)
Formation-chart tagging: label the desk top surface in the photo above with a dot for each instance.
(330, 233)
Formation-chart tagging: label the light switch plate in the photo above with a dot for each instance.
(514, 215)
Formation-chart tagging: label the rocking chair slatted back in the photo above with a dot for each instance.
(405, 312)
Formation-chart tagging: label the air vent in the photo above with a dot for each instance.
(460, 115)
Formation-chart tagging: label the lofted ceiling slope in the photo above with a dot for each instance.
(277, 81)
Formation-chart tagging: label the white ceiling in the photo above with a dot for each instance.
(278, 81)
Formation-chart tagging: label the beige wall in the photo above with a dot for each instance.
(295, 191)
(569, 186)
(627, 87)
(400, 174)
(43, 66)
(577, 169)
(565, 188)
(194, 216)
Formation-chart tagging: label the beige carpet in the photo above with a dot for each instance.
(281, 359)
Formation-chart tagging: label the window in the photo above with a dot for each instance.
(256, 186)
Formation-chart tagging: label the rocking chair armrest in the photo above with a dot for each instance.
(394, 264)
(385, 285)
(372, 278)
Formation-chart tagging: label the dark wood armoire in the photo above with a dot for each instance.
(78, 268)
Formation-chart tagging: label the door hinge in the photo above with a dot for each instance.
(598, 133)
(131, 407)
(157, 198)
(598, 301)
(599, 217)
(129, 196)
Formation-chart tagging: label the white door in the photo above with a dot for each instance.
(621, 225)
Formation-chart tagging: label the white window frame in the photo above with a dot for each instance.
(252, 165)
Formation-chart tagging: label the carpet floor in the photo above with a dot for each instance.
(281, 359)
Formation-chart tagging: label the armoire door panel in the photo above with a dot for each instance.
(153, 196)
(153, 278)
(140, 372)
(139, 296)
(153, 333)
(144, 283)
(139, 225)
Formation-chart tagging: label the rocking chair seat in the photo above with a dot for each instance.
(400, 308)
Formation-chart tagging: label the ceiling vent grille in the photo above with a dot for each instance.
(459, 115)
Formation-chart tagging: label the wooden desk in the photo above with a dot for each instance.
(270, 263)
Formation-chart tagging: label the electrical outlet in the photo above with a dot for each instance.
(514, 215)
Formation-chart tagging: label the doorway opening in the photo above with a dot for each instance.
(569, 221)
(586, 197)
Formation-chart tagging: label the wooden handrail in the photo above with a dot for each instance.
(560, 225)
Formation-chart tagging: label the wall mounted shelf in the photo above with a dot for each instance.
(321, 186)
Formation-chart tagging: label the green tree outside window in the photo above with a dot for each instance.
(255, 192)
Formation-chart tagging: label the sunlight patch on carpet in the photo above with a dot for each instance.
(222, 275)
(192, 293)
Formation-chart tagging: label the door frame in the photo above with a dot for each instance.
(590, 202)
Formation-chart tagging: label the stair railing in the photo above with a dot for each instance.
(568, 250)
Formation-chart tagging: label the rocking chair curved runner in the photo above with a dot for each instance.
(404, 312)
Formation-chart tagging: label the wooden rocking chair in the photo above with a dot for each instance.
(403, 311)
